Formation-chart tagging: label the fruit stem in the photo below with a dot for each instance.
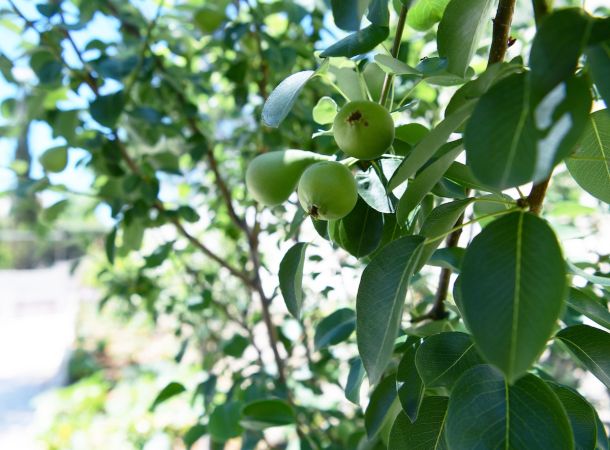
(389, 78)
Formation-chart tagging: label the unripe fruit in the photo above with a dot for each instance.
(272, 177)
(327, 190)
(363, 129)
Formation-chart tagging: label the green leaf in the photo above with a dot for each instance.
(51, 213)
(169, 391)
(193, 434)
(509, 143)
(106, 109)
(408, 382)
(581, 416)
(411, 133)
(427, 432)
(486, 412)
(360, 231)
(557, 46)
(595, 279)
(380, 300)
(379, 13)
(235, 346)
(291, 278)
(513, 288)
(425, 180)
(282, 99)
(590, 164)
(589, 346)
(110, 245)
(224, 422)
(425, 13)
(354, 380)
(598, 59)
(394, 66)
(448, 258)
(55, 159)
(357, 43)
(602, 437)
(372, 191)
(440, 221)
(348, 13)
(335, 328)
(442, 358)
(325, 111)
(262, 414)
(380, 406)
(587, 305)
(429, 145)
(460, 30)
(209, 18)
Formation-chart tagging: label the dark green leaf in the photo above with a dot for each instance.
(348, 13)
(291, 278)
(235, 346)
(193, 434)
(590, 164)
(587, 305)
(557, 46)
(380, 300)
(408, 383)
(598, 58)
(589, 346)
(486, 412)
(460, 30)
(380, 407)
(354, 380)
(427, 432)
(357, 43)
(282, 99)
(224, 422)
(106, 109)
(263, 414)
(425, 180)
(581, 416)
(360, 231)
(335, 328)
(442, 358)
(439, 222)
(513, 288)
(379, 14)
(169, 391)
(110, 245)
(508, 143)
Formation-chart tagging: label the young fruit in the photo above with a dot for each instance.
(363, 129)
(272, 177)
(327, 190)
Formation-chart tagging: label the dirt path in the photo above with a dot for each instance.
(37, 322)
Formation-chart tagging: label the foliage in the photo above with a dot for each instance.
(172, 110)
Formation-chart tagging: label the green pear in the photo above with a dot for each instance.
(328, 190)
(363, 129)
(272, 177)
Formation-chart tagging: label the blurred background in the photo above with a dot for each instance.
(86, 346)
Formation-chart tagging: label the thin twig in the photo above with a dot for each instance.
(387, 81)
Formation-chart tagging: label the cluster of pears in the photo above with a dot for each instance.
(326, 188)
